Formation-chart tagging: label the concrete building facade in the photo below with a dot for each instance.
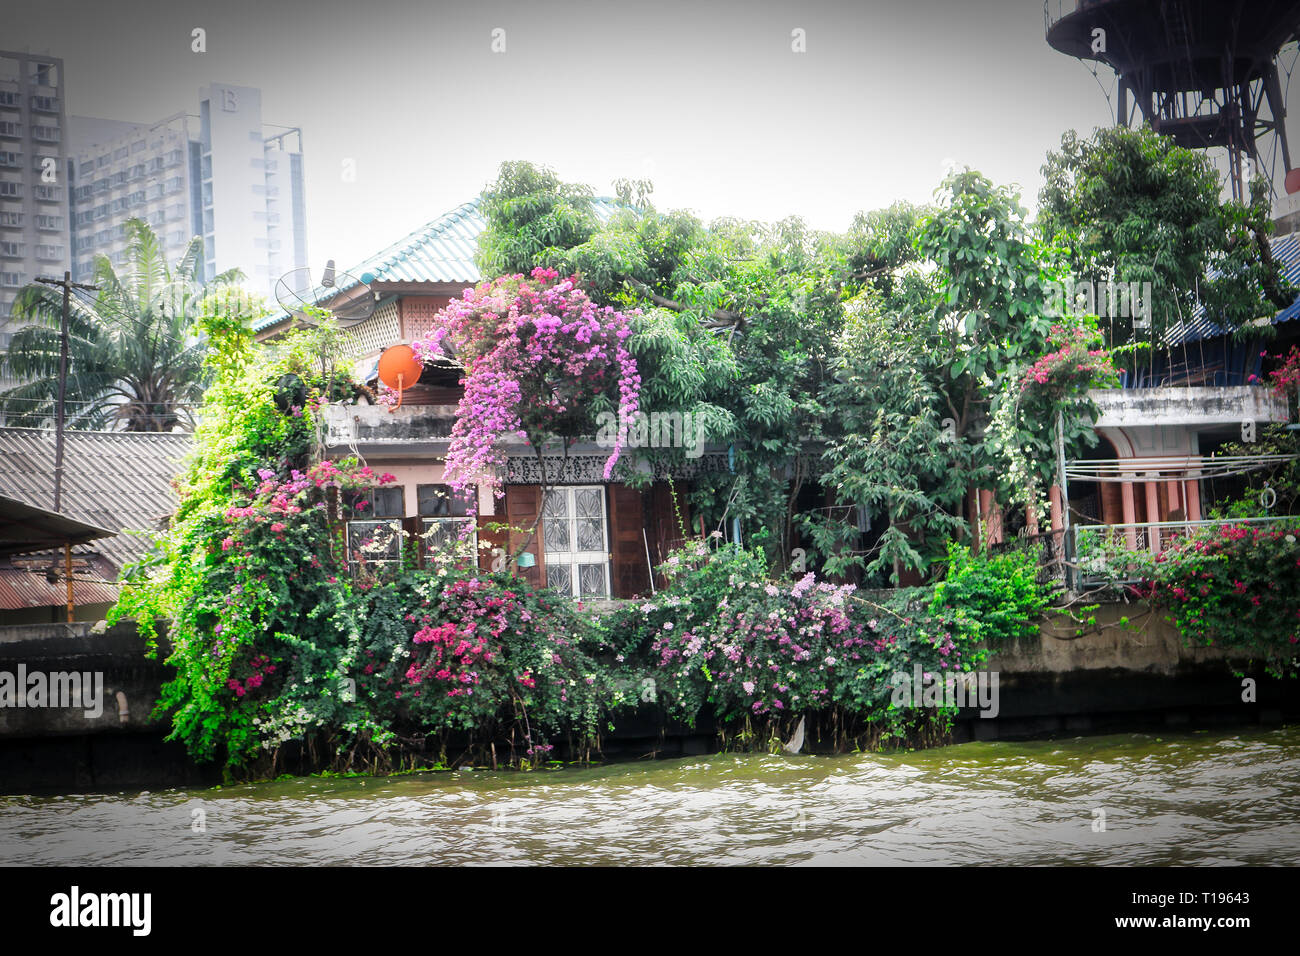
(34, 216)
(221, 174)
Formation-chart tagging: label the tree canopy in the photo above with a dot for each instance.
(864, 368)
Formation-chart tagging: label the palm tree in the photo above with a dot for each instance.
(135, 360)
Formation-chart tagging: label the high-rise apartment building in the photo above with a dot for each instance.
(222, 175)
(34, 213)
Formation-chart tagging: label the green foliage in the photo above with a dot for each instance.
(726, 640)
(532, 217)
(990, 599)
(1235, 587)
(1134, 207)
(1281, 477)
(926, 402)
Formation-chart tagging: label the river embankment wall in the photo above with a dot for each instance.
(1109, 676)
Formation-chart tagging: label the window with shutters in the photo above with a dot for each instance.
(374, 518)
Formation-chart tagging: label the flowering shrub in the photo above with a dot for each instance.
(727, 641)
(1073, 367)
(484, 649)
(1237, 587)
(1287, 376)
(540, 359)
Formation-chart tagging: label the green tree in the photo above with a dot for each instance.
(1134, 207)
(532, 217)
(135, 355)
(925, 406)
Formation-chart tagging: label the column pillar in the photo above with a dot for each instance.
(1153, 512)
(1129, 513)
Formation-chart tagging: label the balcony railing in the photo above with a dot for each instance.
(1105, 552)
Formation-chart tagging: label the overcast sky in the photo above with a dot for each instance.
(705, 97)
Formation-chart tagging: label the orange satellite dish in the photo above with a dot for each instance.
(399, 369)
(1292, 182)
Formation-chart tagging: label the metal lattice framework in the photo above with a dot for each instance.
(376, 333)
(1202, 71)
(590, 469)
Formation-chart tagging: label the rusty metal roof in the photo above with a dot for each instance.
(120, 481)
(25, 584)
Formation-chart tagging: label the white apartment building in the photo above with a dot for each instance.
(33, 175)
(223, 175)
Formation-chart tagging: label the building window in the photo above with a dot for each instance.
(576, 541)
(444, 517)
(11, 189)
(374, 528)
(44, 74)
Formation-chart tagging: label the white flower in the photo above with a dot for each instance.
(668, 625)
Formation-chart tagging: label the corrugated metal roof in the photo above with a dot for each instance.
(26, 529)
(115, 480)
(1286, 253)
(25, 585)
(440, 251)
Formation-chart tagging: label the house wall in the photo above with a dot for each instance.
(410, 473)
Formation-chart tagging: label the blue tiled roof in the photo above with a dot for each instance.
(1286, 253)
(439, 251)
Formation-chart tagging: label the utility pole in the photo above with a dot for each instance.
(68, 285)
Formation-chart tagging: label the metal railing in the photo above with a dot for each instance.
(1103, 552)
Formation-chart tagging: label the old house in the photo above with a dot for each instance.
(597, 539)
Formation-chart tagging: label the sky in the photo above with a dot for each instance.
(707, 98)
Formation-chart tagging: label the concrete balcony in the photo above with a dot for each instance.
(1198, 407)
(377, 428)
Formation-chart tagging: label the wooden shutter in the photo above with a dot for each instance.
(523, 504)
(412, 542)
(631, 573)
(665, 535)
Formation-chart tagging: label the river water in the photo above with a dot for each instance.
(1134, 799)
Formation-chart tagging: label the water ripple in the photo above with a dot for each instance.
(1192, 799)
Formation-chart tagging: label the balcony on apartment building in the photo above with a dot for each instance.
(1158, 471)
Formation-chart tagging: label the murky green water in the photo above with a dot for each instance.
(1175, 799)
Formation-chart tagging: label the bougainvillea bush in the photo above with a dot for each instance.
(457, 649)
(541, 360)
(1079, 362)
(278, 640)
(1235, 586)
(727, 641)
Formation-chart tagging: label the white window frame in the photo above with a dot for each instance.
(574, 559)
